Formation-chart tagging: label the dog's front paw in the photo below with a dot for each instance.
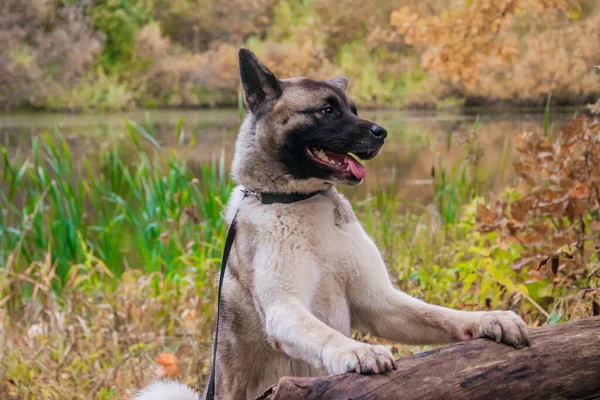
(502, 326)
(358, 357)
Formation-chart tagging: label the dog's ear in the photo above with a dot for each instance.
(259, 83)
(340, 82)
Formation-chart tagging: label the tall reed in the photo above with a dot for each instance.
(151, 213)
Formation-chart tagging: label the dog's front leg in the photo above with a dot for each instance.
(396, 316)
(389, 313)
(284, 285)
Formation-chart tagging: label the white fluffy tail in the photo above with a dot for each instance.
(167, 390)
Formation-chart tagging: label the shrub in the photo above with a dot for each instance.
(47, 47)
(554, 214)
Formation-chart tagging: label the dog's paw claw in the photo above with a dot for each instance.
(504, 326)
(360, 358)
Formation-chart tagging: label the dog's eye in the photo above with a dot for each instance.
(327, 111)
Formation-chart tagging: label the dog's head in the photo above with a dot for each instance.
(300, 133)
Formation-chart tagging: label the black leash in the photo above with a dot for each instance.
(264, 198)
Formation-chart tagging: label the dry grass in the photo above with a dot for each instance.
(93, 342)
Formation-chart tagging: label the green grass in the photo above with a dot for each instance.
(459, 183)
(147, 213)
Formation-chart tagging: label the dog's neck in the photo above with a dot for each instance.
(254, 169)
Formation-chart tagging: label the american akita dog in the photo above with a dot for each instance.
(303, 273)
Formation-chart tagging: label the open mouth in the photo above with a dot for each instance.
(343, 164)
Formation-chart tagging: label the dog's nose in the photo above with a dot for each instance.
(378, 131)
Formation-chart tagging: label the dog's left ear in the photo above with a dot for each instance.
(339, 82)
(259, 83)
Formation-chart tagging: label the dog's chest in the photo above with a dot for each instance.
(318, 243)
(334, 244)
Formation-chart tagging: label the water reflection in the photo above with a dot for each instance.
(416, 141)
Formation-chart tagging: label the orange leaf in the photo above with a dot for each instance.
(168, 365)
(485, 214)
(580, 191)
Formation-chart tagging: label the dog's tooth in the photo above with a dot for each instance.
(320, 154)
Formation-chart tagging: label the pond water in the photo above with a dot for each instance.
(416, 140)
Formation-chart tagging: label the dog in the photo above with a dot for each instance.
(301, 275)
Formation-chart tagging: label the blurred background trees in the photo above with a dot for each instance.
(117, 54)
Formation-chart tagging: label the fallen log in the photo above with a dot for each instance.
(563, 362)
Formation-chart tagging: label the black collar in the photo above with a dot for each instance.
(282, 198)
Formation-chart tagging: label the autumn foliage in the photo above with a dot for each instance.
(554, 214)
(500, 49)
(457, 42)
(106, 54)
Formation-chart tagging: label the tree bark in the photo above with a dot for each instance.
(563, 362)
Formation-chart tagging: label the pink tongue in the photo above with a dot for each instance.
(357, 169)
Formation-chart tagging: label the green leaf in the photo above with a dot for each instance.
(468, 282)
(180, 132)
(483, 293)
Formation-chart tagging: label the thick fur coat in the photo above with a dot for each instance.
(302, 275)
